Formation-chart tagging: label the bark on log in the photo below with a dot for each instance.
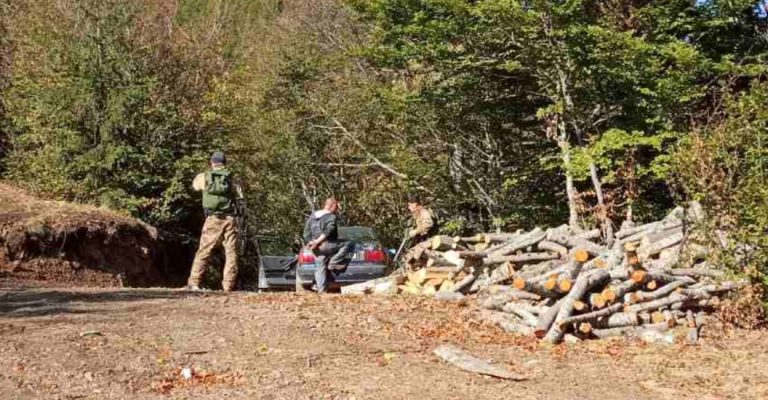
(694, 272)
(464, 284)
(520, 258)
(583, 284)
(529, 239)
(640, 296)
(656, 247)
(513, 307)
(617, 320)
(506, 322)
(463, 360)
(497, 301)
(565, 281)
(524, 313)
(547, 319)
(659, 303)
(383, 285)
(592, 315)
(469, 239)
(692, 336)
(613, 332)
(649, 229)
(535, 287)
(448, 296)
(500, 237)
(443, 243)
(546, 245)
(576, 242)
(537, 270)
(589, 235)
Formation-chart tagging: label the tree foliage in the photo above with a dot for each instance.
(501, 113)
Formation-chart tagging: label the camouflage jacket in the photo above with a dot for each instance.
(425, 223)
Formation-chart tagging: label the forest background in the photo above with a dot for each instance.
(501, 114)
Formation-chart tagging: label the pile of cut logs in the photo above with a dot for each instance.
(559, 284)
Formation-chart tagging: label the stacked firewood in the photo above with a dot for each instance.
(561, 284)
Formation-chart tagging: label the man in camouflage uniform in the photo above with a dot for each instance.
(222, 197)
(425, 227)
(322, 236)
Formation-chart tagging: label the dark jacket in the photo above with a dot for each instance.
(321, 223)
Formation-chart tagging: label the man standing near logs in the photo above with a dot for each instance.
(322, 237)
(424, 228)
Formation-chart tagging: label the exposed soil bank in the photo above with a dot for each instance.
(66, 243)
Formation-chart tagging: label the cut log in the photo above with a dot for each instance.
(553, 247)
(535, 287)
(597, 300)
(547, 319)
(497, 301)
(651, 249)
(463, 360)
(589, 235)
(613, 332)
(541, 272)
(520, 258)
(693, 272)
(464, 284)
(470, 239)
(448, 296)
(481, 247)
(501, 274)
(711, 290)
(385, 285)
(499, 237)
(514, 306)
(442, 243)
(529, 239)
(584, 283)
(447, 287)
(639, 297)
(591, 315)
(507, 322)
(417, 277)
(657, 304)
(692, 336)
(439, 261)
(523, 312)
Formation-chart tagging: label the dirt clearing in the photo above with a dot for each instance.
(137, 344)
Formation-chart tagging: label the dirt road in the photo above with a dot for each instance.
(133, 344)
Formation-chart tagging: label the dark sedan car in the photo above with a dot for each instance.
(278, 264)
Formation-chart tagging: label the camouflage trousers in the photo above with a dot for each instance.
(217, 230)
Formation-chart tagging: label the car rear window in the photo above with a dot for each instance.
(357, 233)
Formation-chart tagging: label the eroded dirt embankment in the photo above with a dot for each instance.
(65, 243)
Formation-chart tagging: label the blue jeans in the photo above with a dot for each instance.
(332, 260)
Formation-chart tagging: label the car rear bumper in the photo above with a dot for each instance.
(355, 273)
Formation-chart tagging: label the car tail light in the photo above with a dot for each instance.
(375, 256)
(306, 257)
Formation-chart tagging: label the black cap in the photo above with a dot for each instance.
(414, 198)
(218, 158)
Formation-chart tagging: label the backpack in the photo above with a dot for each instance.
(217, 196)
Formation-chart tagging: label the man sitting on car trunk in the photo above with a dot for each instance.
(322, 237)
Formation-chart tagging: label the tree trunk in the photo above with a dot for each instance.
(607, 224)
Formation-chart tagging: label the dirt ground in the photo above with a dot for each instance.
(84, 343)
